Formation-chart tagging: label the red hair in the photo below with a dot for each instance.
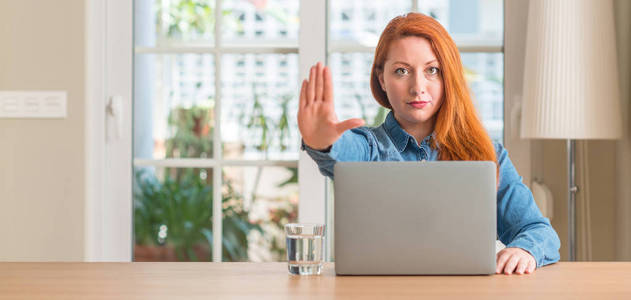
(458, 129)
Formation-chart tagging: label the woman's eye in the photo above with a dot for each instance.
(401, 71)
(433, 70)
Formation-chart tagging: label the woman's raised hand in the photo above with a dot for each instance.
(317, 121)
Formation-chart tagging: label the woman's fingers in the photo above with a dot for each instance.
(348, 124)
(311, 85)
(515, 260)
(521, 266)
(511, 264)
(319, 87)
(532, 265)
(303, 95)
(319, 82)
(501, 261)
(328, 85)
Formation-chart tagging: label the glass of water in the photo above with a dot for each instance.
(305, 248)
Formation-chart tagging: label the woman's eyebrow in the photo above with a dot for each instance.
(401, 63)
(431, 61)
(407, 64)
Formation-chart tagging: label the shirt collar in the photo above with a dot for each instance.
(400, 137)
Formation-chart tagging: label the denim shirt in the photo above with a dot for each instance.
(519, 221)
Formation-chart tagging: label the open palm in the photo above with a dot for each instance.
(317, 121)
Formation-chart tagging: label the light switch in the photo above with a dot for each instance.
(10, 104)
(33, 104)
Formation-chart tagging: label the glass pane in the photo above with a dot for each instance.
(485, 74)
(269, 21)
(173, 106)
(361, 22)
(177, 22)
(468, 21)
(172, 214)
(351, 87)
(259, 106)
(258, 202)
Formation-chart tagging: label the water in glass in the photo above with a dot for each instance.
(304, 253)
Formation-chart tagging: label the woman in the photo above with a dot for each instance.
(417, 73)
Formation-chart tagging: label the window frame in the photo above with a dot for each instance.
(108, 76)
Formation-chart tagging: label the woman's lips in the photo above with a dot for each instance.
(419, 104)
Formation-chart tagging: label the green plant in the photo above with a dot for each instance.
(177, 211)
(283, 122)
(168, 213)
(188, 19)
(285, 213)
(192, 132)
(382, 112)
(271, 131)
(179, 214)
(259, 121)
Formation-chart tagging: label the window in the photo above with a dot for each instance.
(215, 135)
(215, 99)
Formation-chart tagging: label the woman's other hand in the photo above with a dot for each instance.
(317, 121)
(515, 260)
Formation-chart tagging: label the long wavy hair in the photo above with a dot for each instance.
(458, 130)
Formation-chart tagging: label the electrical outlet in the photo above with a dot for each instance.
(33, 104)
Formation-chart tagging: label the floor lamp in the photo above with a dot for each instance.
(571, 80)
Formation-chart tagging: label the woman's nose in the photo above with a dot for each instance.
(415, 91)
(418, 87)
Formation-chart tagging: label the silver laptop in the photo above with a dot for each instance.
(414, 218)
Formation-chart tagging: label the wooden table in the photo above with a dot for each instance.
(576, 280)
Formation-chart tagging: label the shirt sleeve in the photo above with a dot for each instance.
(353, 145)
(519, 220)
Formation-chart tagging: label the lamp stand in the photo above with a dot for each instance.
(573, 189)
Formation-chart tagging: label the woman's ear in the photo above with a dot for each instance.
(382, 83)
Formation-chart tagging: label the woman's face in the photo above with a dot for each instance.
(413, 81)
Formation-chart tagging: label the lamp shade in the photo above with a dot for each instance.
(570, 72)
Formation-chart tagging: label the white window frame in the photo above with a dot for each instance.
(109, 44)
(108, 206)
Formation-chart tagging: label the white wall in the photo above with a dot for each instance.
(41, 161)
